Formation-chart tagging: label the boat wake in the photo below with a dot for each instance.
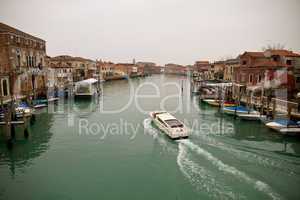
(202, 178)
(247, 156)
(258, 185)
(157, 136)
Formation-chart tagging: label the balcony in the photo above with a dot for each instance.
(62, 75)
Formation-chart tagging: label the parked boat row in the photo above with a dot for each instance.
(283, 126)
(22, 109)
(218, 103)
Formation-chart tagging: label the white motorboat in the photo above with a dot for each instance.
(235, 110)
(86, 88)
(23, 110)
(284, 126)
(251, 116)
(171, 126)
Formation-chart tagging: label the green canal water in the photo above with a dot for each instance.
(107, 148)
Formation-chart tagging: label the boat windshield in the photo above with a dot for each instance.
(174, 123)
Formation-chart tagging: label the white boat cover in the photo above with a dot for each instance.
(87, 81)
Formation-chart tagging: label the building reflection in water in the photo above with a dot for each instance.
(25, 150)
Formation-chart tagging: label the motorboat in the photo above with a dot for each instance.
(284, 126)
(250, 116)
(171, 126)
(86, 88)
(40, 103)
(23, 110)
(216, 103)
(235, 110)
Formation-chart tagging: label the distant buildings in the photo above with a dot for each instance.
(254, 67)
(106, 69)
(26, 71)
(269, 69)
(219, 68)
(175, 69)
(204, 70)
(68, 69)
(149, 68)
(60, 72)
(22, 64)
(230, 67)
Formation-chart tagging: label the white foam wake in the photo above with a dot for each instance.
(157, 136)
(259, 185)
(201, 178)
(244, 155)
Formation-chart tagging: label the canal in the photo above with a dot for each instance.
(107, 148)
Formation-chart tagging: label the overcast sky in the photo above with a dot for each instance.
(179, 31)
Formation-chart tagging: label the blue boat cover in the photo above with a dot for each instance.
(286, 122)
(237, 108)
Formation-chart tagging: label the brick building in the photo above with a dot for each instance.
(203, 69)
(125, 69)
(22, 63)
(219, 68)
(82, 68)
(263, 68)
(230, 66)
(106, 69)
(149, 68)
(60, 72)
(175, 69)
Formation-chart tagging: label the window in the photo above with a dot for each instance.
(27, 61)
(161, 121)
(259, 78)
(298, 79)
(29, 58)
(4, 87)
(250, 78)
(244, 62)
(288, 62)
(18, 61)
(34, 61)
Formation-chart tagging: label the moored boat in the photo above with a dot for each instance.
(216, 103)
(284, 126)
(23, 110)
(235, 110)
(250, 116)
(86, 88)
(171, 126)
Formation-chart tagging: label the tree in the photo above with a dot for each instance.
(274, 46)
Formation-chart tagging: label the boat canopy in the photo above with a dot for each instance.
(87, 81)
(219, 84)
(174, 123)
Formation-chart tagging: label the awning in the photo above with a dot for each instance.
(87, 81)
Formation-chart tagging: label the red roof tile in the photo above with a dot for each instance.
(283, 53)
(268, 63)
(253, 54)
(4, 28)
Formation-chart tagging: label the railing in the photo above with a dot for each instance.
(280, 105)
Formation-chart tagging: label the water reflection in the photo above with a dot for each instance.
(251, 134)
(25, 150)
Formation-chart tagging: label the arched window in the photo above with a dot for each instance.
(5, 87)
